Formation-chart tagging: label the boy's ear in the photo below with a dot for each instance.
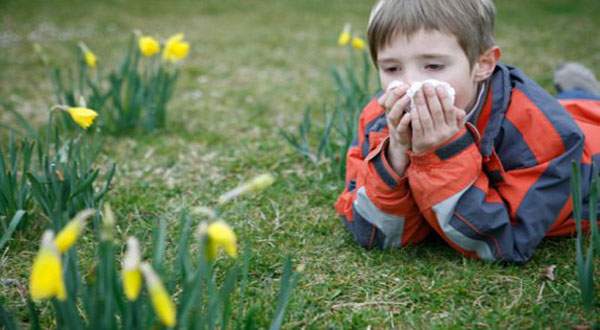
(486, 64)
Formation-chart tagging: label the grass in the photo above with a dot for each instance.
(254, 66)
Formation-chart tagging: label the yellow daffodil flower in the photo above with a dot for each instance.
(84, 117)
(90, 59)
(132, 277)
(220, 236)
(148, 46)
(176, 48)
(46, 279)
(161, 301)
(69, 234)
(358, 43)
(256, 184)
(345, 37)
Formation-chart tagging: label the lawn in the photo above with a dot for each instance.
(253, 67)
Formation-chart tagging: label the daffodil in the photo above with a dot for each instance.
(88, 57)
(345, 37)
(46, 279)
(358, 43)
(69, 234)
(84, 117)
(176, 48)
(256, 184)
(148, 46)
(161, 301)
(132, 276)
(220, 236)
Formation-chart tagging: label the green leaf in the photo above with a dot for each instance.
(11, 227)
(288, 282)
(160, 236)
(6, 319)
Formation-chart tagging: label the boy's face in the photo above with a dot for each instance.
(428, 55)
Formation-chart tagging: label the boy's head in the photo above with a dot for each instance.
(452, 41)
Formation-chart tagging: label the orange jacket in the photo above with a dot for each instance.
(493, 192)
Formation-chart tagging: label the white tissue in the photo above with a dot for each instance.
(394, 84)
(415, 87)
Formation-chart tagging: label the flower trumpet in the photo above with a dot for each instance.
(83, 117)
(89, 58)
(148, 46)
(163, 306)
(70, 233)
(132, 276)
(358, 43)
(176, 48)
(219, 235)
(46, 279)
(345, 37)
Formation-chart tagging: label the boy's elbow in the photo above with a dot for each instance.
(365, 234)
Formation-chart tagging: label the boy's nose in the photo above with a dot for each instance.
(412, 77)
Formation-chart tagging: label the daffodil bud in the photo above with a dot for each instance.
(220, 236)
(256, 184)
(161, 301)
(70, 233)
(344, 38)
(46, 279)
(132, 276)
(84, 117)
(88, 57)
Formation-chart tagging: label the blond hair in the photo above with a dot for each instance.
(470, 21)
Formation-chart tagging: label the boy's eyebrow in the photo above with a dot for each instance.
(432, 56)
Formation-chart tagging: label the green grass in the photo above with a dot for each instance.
(253, 67)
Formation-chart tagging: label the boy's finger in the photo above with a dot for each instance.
(397, 110)
(426, 123)
(434, 105)
(381, 98)
(391, 96)
(449, 112)
(403, 128)
(460, 117)
(404, 122)
(415, 122)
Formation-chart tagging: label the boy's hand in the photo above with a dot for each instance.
(435, 119)
(395, 102)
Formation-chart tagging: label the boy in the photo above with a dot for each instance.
(488, 172)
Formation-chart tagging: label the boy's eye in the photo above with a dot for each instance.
(434, 67)
(391, 69)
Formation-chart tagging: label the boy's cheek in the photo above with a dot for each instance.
(385, 79)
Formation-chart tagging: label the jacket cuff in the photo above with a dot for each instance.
(379, 165)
